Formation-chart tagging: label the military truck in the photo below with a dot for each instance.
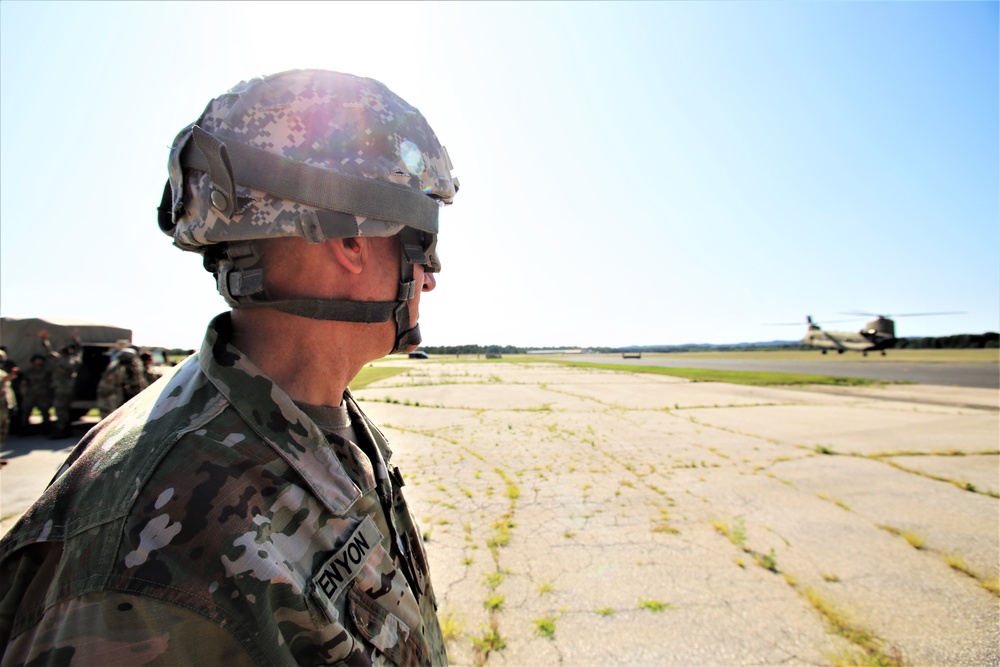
(20, 337)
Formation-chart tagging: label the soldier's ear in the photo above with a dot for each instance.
(348, 253)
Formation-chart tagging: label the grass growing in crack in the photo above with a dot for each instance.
(655, 606)
(502, 535)
(544, 588)
(957, 563)
(737, 533)
(872, 652)
(914, 540)
(490, 642)
(604, 611)
(546, 627)
(494, 579)
(451, 627)
(665, 528)
(494, 602)
(662, 522)
(962, 484)
(766, 561)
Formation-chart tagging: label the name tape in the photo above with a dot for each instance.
(332, 579)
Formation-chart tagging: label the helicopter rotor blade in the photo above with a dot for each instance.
(859, 313)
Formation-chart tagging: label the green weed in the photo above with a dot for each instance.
(451, 627)
(546, 627)
(493, 602)
(655, 606)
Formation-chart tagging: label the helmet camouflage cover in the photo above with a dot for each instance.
(307, 153)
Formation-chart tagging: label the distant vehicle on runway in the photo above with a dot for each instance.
(878, 335)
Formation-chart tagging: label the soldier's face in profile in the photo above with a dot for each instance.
(427, 282)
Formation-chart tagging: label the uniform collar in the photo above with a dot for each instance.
(273, 416)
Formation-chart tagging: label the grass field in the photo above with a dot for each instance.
(757, 378)
(373, 373)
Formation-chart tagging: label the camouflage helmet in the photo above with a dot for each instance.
(309, 153)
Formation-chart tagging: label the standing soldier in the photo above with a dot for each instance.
(14, 400)
(36, 388)
(64, 365)
(148, 372)
(244, 510)
(6, 396)
(122, 380)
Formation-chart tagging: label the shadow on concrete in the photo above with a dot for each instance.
(21, 445)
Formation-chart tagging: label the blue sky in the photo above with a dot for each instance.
(632, 173)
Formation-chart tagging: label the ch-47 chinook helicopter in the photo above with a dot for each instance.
(877, 335)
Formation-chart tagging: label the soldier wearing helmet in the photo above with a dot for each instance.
(244, 510)
(65, 366)
(36, 388)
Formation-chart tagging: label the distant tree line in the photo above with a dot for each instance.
(989, 339)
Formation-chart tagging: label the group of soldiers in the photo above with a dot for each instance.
(48, 384)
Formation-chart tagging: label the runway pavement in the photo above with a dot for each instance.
(585, 517)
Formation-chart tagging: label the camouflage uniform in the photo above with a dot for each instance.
(149, 372)
(121, 380)
(213, 523)
(7, 402)
(36, 390)
(64, 369)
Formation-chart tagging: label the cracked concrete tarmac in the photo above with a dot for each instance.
(587, 517)
(654, 521)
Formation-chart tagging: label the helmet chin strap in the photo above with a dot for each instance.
(405, 336)
(240, 281)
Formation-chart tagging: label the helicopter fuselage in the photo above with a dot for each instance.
(866, 340)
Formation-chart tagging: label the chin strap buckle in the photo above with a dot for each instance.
(237, 279)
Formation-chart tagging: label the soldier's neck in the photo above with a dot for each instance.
(310, 360)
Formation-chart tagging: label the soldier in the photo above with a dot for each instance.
(64, 365)
(244, 510)
(121, 380)
(148, 372)
(13, 392)
(7, 401)
(36, 390)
